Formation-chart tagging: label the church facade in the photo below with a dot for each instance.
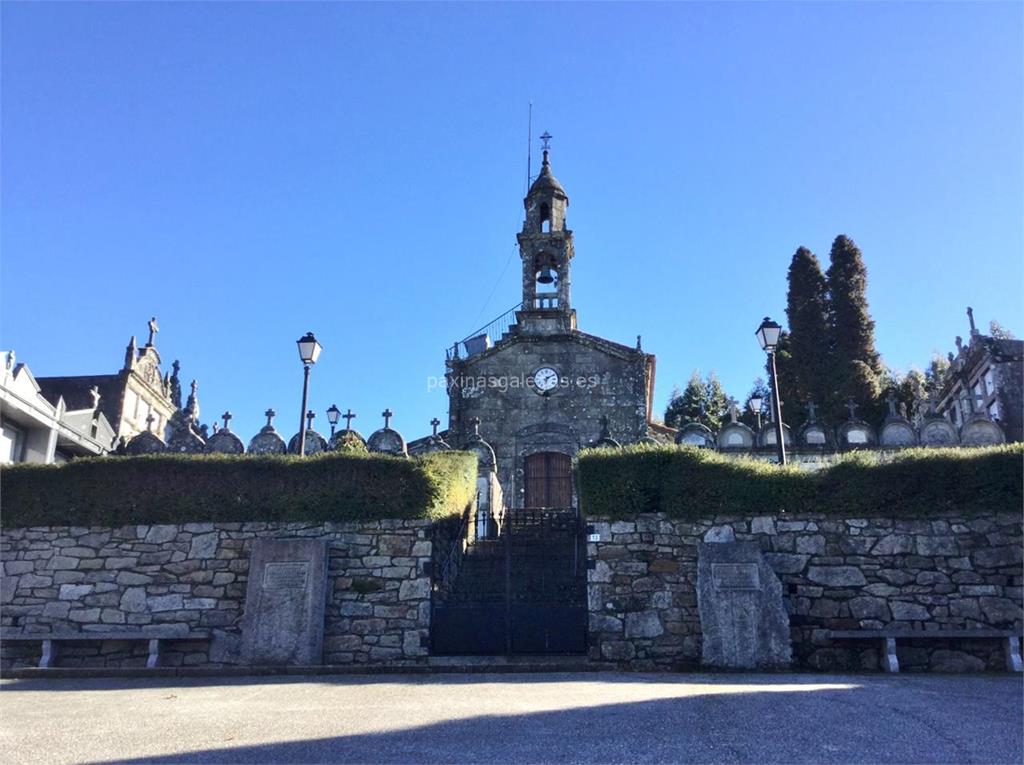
(545, 389)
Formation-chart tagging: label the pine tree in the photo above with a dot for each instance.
(855, 364)
(809, 343)
(715, 403)
(687, 406)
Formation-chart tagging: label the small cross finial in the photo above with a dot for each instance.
(94, 391)
(638, 346)
(475, 422)
(434, 423)
(852, 406)
(387, 414)
(546, 138)
(812, 411)
(270, 413)
(150, 419)
(349, 416)
(970, 318)
(891, 401)
(153, 329)
(310, 416)
(227, 418)
(216, 428)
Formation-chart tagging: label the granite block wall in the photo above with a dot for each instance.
(193, 577)
(947, 572)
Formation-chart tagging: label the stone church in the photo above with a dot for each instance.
(545, 389)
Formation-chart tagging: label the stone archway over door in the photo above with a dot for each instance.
(548, 480)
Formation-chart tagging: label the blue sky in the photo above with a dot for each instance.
(247, 172)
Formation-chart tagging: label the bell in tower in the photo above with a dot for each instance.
(546, 249)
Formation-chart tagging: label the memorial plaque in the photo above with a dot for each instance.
(736, 576)
(285, 602)
(285, 575)
(743, 619)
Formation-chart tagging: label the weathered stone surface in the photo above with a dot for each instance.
(997, 557)
(955, 661)
(284, 602)
(936, 546)
(414, 589)
(742, 614)
(836, 576)
(644, 624)
(1000, 610)
(894, 544)
(160, 534)
(869, 608)
(786, 563)
(720, 534)
(204, 545)
(618, 650)
(903, 611)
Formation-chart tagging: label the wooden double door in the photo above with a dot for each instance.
(548, 480)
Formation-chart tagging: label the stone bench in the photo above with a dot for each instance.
(51, 640)
(888, 638)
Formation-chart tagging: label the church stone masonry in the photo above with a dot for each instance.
(545, 389)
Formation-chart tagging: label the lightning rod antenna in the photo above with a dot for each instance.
(529, 153)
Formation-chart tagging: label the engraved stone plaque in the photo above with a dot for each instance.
(736, 576)
(285, 602)
(285, 575)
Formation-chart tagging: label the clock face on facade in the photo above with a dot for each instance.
(545, 380)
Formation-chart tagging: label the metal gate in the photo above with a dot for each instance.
(523, 592)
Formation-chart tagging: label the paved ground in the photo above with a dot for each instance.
(515, 718)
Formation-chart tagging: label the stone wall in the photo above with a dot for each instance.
(194, 577)
(948, 572)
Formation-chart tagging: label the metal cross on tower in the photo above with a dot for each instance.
(153, 329)
(546, 138)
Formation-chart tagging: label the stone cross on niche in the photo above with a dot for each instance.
(349, 416)
(812, 411)
(733, 412)
(475, 422)
(852, 406)
(153, 329)
(227, 418)
(310, 416)
(387, 414)
(150, 419)
(270, 413)
(434, 423)
(891, 401)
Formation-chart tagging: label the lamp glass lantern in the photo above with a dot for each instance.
(756, 402)
(333, 415)
(768, 335)
(309, 348)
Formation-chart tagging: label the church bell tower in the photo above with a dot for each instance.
(546, 250)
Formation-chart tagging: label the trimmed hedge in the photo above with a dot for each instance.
(687, 482)
(210, 488)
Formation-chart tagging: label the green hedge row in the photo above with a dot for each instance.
(206, 488)
(686, 482)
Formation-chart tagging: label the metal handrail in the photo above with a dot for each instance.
(495, 328)
(455, 552)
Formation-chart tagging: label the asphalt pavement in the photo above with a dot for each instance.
(551, 717)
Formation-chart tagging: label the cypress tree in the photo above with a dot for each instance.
(809, 342)
(715, 402)
(855, 363)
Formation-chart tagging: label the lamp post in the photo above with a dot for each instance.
(768, 336)
(333, 415)
(309, 352)
(756, 402)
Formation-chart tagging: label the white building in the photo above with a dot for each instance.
(36, 430)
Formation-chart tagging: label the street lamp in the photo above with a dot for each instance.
(333, 415)
(755, 403)
(309, 352)
(768, 336)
